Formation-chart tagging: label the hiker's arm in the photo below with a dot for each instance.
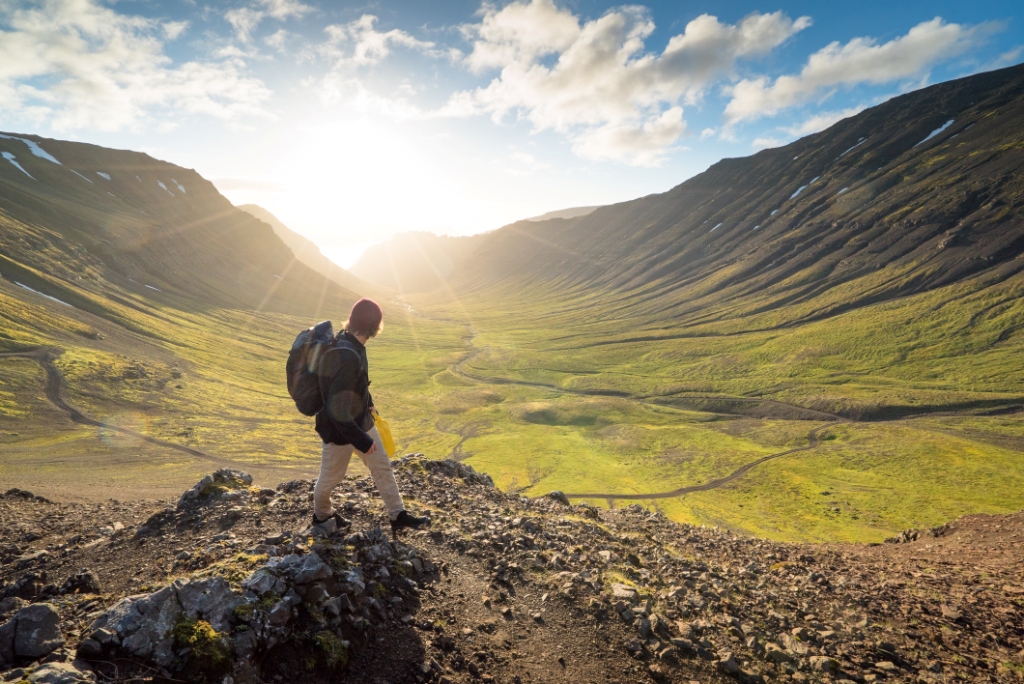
(341, 403)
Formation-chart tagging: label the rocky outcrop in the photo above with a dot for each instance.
(33, 632)
(234, 583)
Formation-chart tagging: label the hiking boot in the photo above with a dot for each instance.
(406, 521)
(340, 522)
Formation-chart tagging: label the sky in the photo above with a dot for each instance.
(354, 121)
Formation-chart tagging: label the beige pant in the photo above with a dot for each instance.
(333, 466)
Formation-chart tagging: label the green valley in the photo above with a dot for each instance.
(819, 342)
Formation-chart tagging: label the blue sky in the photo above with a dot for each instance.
(354, 121)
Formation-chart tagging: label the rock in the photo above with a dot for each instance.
(559, 497)
(262, 581)
(776, 654)
(300, 569)
(7, 631)
(84, 581)
(280, 614)
(624, 592)
(89, 649)
(143, 624)
(794, 645)
(215, 485)
(727, 664)
(11, 605)
(210, 599)
(37, 631)
(824, 664)
(75, 672)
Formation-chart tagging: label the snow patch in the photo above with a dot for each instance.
(103, 175)
(813, 180)
(42, 294)
(161, 184)
(713, 229)
(756, 227)
(278, 277)
(33, 147)
(774, 212)
(10, 157)
(936, 132)
(138, 179)
(180, 186)
(80, 175)
(154, 288)
(841, 192)
(862, 141)
(798, 191)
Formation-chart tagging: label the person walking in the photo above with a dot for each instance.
(345, 423)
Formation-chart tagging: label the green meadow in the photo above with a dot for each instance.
(549, 389)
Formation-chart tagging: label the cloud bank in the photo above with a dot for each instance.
(862, 60)
(80, 64)
(595, 82)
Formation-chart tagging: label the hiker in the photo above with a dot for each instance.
(345, 423)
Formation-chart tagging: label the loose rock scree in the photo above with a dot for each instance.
(231, 582)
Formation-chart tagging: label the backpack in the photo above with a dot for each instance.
(301, 369)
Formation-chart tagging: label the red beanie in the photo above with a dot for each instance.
(365, 318)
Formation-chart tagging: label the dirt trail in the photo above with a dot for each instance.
(813, 442)
(54, 393)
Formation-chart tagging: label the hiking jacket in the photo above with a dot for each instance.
(345, 385)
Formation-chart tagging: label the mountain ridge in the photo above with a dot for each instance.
(847, 200)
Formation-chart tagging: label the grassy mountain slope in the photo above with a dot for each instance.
(169, 313)
(306, 251)
(667, 342)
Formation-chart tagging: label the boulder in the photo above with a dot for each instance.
(76, 672)
(143, 624)
(37, 631)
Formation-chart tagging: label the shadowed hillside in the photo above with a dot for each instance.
(927, 185)
(79, 221)
(305, 251)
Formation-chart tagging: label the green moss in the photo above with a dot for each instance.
(211, 653)
(333, 651)
(244, 612)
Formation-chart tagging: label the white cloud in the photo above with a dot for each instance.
(519, 32)
(707, 133)
(108, 70)
(246, 19)
(595, 83)
(821, 121)
(645, 145)
(861, 60)
(174, 29)
(358, 43)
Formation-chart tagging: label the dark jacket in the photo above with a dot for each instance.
(345, 384)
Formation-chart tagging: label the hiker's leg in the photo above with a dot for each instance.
(333, 465)
(380, 468)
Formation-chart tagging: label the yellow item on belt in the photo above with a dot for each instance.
(384, 430)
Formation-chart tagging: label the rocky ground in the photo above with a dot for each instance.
(231, 585)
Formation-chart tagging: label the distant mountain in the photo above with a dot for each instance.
(421, 261)
(573, 212)
(415, 261)
(305, 250)
(921, 191)
(98, 228)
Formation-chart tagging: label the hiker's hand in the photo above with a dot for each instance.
(373, 410)
(373, 449)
